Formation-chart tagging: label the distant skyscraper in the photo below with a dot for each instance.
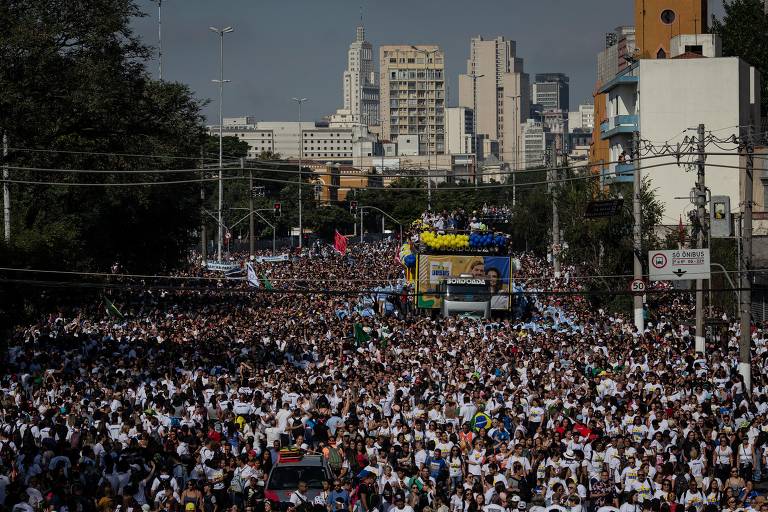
(361, 89)
(551, 90)
(413, 95)
(501, 97)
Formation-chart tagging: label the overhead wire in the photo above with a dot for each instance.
(303, 279)
(343, 293)
(589, 176)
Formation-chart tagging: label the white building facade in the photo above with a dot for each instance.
(319, 141)
(663, 99)
(459, 126)
(361, 84)
(497, 88)
(583, 118)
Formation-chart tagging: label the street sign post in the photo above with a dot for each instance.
(679, 265)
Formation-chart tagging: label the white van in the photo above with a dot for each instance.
(466, 294)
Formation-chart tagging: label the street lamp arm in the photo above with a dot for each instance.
(383, 212)
(265, 220)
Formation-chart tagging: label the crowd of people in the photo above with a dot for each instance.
(487, 217)
(181, 399)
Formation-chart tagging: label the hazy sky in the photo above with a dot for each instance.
(286, 48)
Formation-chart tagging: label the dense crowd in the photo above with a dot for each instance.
(183, 399)
(461, 220)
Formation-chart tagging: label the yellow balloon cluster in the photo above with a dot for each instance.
(444, 242)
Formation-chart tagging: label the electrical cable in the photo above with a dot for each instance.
(344, 293)
(303, 279)
(589, 176)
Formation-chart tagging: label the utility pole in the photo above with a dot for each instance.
(6, 193)
(701, 211)
(637, 232)
(203, 228)
(251, 228)
(745, 357)
(555, 214)
(361, 224)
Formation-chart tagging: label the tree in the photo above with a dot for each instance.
(73, 79)
(232, 148)
(744, 33)
(604, 246)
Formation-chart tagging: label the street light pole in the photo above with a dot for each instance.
(517, 145)
(160, 38)
(221, 82)
(301, 152)
(474, 77)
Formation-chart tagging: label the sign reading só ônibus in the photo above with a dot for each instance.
(679, 265)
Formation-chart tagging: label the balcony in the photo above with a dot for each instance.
(618, 124)
(628, 77)
(618, 173)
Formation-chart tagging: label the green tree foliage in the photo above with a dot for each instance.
(73, 79)
(232, 148)
(744, 33)
(604, 246)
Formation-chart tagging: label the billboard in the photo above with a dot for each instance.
(431, 270)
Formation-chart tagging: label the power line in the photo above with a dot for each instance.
(106, 153)
(343, 293)
(295, 279)
(590, 176)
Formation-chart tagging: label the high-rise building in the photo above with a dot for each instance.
(361, 89)
(583, 118)
(497, 89)
(617, 55)
(657, 24)
(413, 95)
(459, 126)
(536, 139)
(658, 21)
(551, 90)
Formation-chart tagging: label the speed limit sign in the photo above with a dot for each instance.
(637, 286)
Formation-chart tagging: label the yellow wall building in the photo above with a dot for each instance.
(658, 21)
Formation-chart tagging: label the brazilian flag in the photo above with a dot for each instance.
(480, 420)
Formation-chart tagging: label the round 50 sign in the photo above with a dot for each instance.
(637, 286)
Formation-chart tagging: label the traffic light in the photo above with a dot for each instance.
(353, 206)
(277, 209)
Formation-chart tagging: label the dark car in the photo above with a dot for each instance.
(286, 475)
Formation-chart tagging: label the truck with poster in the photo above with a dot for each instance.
(460, 278)
(456, 273)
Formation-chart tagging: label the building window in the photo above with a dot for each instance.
(661, 54)
(668, 16)
(694, 48)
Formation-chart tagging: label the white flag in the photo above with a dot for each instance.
(253, 279)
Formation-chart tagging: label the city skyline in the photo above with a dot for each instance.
(267, 60)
